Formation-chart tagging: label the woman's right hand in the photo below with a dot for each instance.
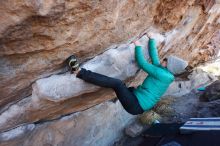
(150, 35)
(137, 43)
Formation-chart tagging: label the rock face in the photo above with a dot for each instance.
(50, 92)
(196, 79)
(98, 126)
(35, 42)
(212, 92)
(37, 36)
(209, 109)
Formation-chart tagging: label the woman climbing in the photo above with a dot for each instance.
(144, 97)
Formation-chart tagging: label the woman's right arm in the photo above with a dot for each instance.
(143, 63)
(153, 52)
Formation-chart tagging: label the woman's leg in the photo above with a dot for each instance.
(126, 97)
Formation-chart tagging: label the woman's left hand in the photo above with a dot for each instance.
(150, 35)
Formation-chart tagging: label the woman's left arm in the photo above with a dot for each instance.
(153, 52)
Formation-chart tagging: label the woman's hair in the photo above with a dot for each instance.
(165, 59)
(188, 70)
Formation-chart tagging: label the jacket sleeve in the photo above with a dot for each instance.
(153, 52)
(142, 62)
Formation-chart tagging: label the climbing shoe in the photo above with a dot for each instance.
(73, 63)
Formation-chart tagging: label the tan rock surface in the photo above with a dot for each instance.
(97, 126)
(36, 41)
(62, 94)
(35, 44)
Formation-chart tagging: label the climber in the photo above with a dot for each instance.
(144, 97)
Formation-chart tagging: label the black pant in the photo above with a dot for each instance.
(126, 97)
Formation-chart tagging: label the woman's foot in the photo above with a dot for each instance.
(73, 64)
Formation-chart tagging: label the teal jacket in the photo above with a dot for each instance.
(157, 81)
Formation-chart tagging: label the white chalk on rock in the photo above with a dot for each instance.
(60, 87)
(134, 129)
(5, 136)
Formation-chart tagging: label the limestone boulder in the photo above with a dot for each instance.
(64, 93)
(135, 129)
(37, 36)
(198, 78)
(212, 92)
(209, 109)
(35, 42)
(101, 125)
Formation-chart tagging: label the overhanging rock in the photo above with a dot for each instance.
(117, 62)
(56, 91)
